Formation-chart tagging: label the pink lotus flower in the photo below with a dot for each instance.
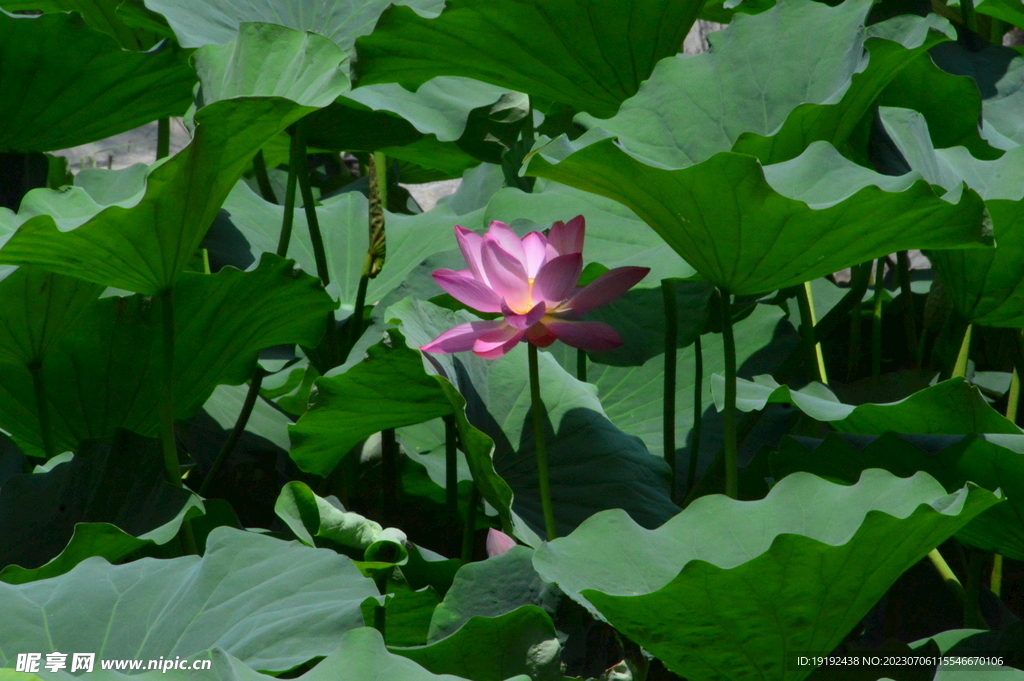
(532, 283)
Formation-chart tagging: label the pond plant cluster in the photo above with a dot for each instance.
(709, 370)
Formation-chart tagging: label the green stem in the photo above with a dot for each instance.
(581, 365)
(243, 418)
(1013, 399)
(948, 576)
(356, 322)
(668, 419)
(729, 414)
(42, 407)
(996, 583)
(909, 316)
(698, 413)
(969, 16)
(306, 189)
(469, 529)
(296, 156)
(259, 169)
(876, 319)
(807, 323)
(960, 368)
(451, 463)
(541, 452)
(315, 236)
(170, 449)
(163, 138)
(389, 474)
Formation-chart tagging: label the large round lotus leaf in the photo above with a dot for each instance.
(985, 285)
(733, 590)
(146, 246)
(751, 229)
(582, 53)
(213, 22)
(953, 407)
(52, 101)
(992, 461)
(272, 604)
(104, 376)
(765, 90)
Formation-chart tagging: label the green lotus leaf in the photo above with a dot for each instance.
(272, 604)
(572, 52)
(952, 407)
(794, 572)
(360, 655)
(104, 374)
(214, 22)
(39, 308)
(492, 588)
(1004, 10)
(765, 90)
(997, 72)
(146, 247)
(389, 389)
(407, 613)
(230, 70)
(991, 461)
(592, 463)
(752, 230)
(105, 90)
(493, 649)
(108, 16)
(985, 285)
(110, 500)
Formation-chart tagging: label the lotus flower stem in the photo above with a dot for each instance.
(170, 449)
(451, 462)
(255, 383)
(537, 408)
(960, 368)
(581, 365)
(469, 529)
(35, 367)
(807, 323)
(909, 321)
(163, 138)
(698, 413)
(259, 169)
(668, 419)
(729, 413)
(296, 156)
(389, 474)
